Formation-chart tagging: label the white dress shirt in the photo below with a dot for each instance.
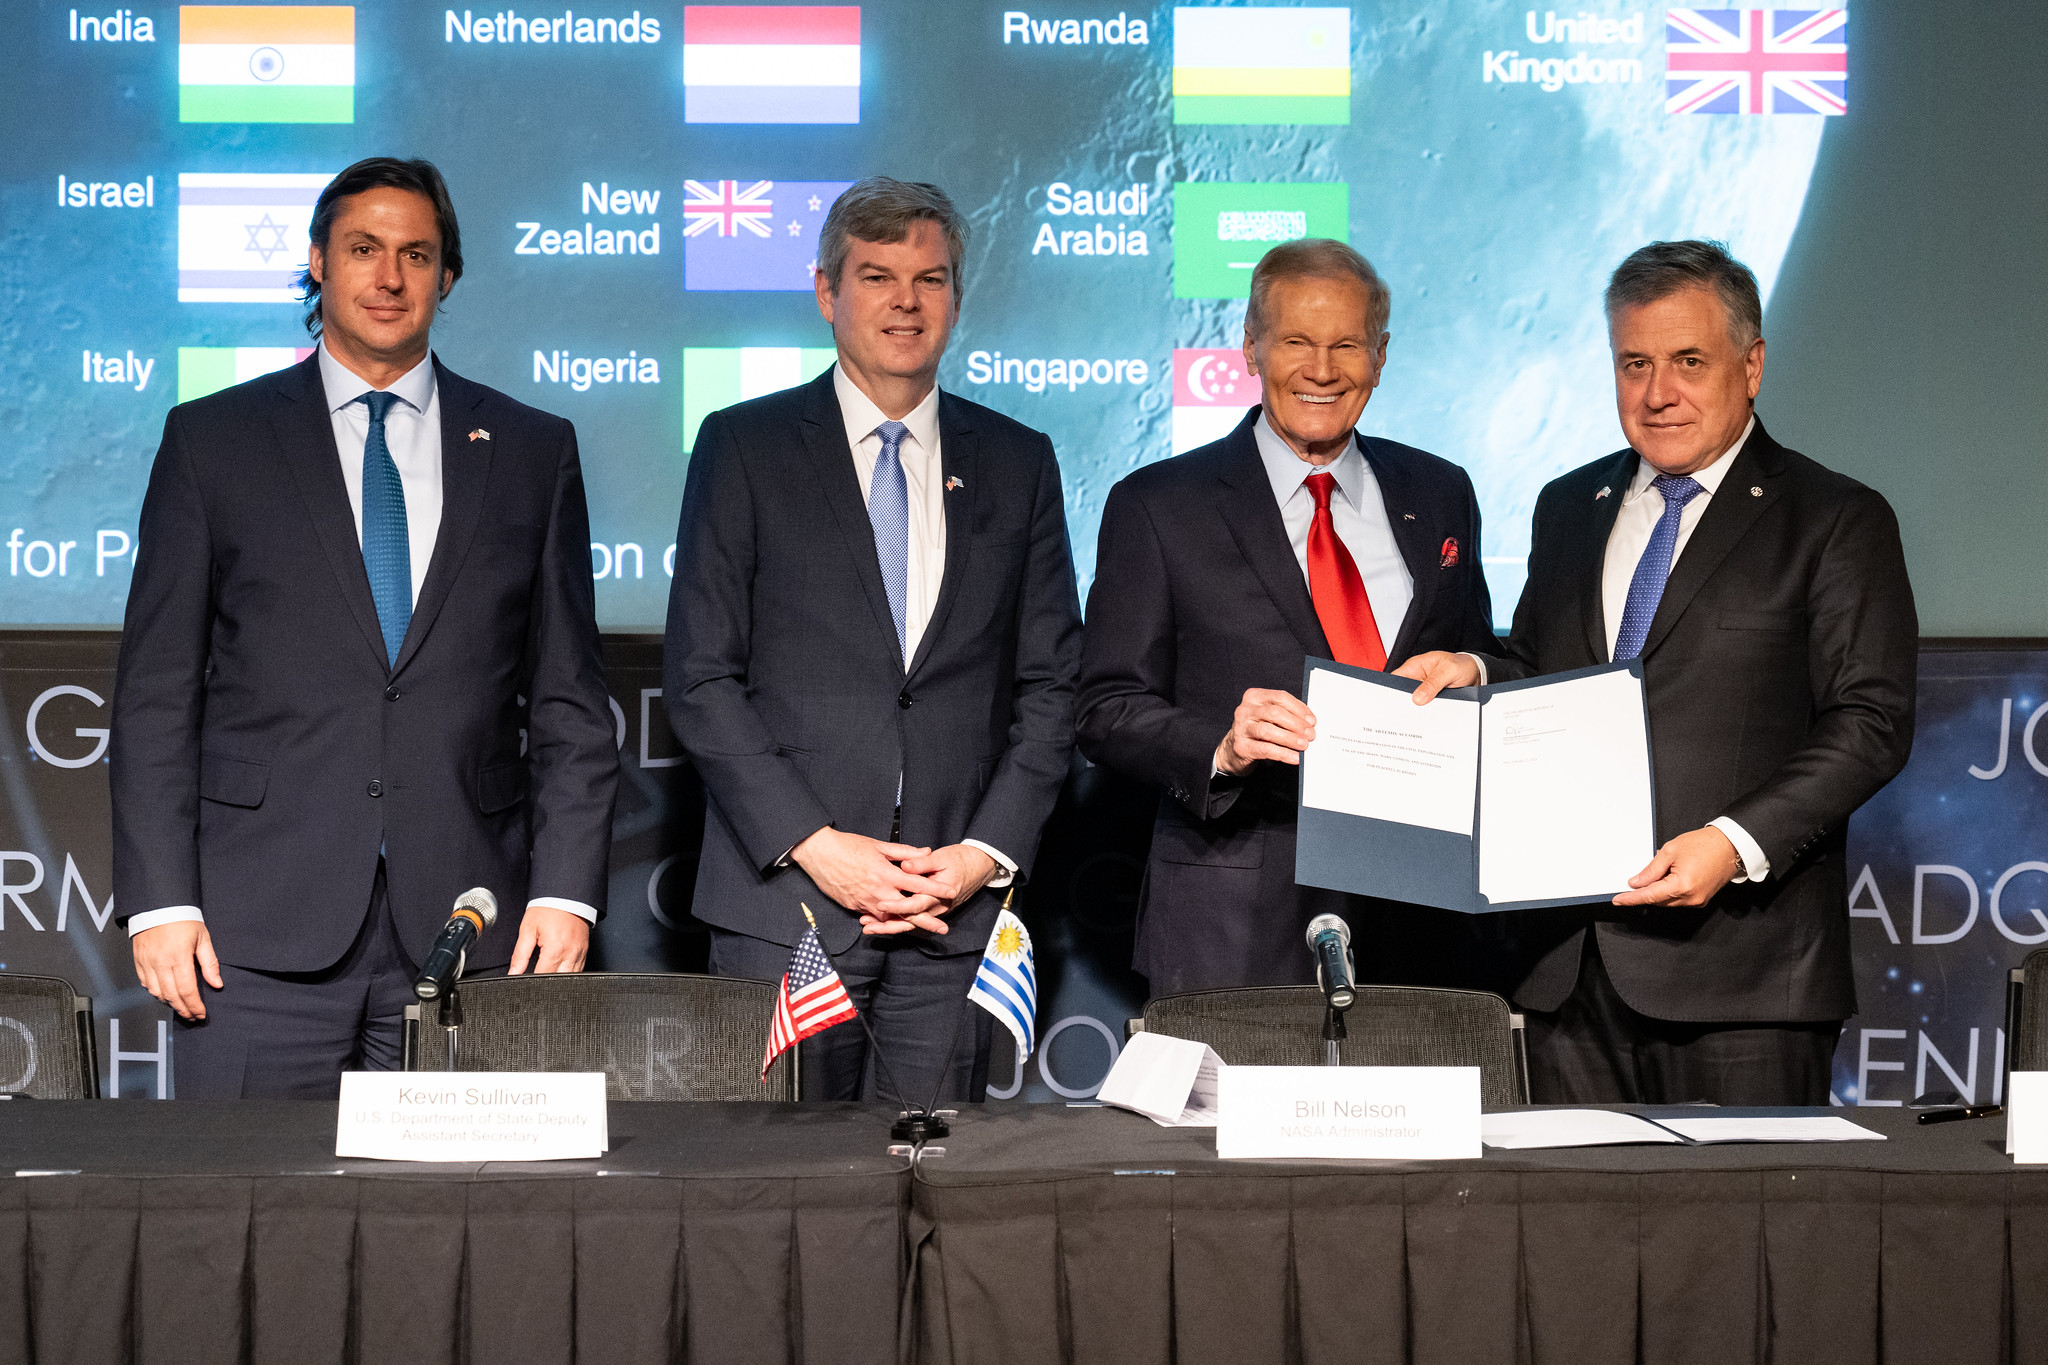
(919, 456)
(1357, 511)
(1641, 507)
(412, 433)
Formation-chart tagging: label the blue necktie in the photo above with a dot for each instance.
(1646, 589)
(889, 513)
(387, 552)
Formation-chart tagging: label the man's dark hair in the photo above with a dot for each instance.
(381, 172)
(1662, 269)
(879, 209)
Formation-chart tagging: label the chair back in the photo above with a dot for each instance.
(655, 1036)
(2026, 1027)
(47, 1047)
(1388, 1026)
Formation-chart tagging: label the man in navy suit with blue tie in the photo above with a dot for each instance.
(1768, 601)
(359, 675)
(872, 640)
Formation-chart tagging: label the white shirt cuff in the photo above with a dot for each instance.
(1480, 664)
(1009, 869)
(170, 914)
(1755, 866)
(558, 903)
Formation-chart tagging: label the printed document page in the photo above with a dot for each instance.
(1525, 1128)
(1565, 808)
(1378, 755)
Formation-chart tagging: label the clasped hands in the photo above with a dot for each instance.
(1275, 726)
(894, 888)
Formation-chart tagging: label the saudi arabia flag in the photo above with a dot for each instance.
(1221, 229)
(716, 377)
(209, 369)
(1261, 65)
(267, 64)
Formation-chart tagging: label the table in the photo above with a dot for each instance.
(195, 1232)
(1081, 1235)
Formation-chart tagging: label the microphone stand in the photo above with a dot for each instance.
(1333, 1032)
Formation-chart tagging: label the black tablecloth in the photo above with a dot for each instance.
(187, 1232)
(1082, 1235)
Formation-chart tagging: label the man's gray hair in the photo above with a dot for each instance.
(1662, 269)
(1317, 258)
(879, 209)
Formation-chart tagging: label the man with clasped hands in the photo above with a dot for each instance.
(1767, 599)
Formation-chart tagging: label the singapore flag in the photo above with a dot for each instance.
(1210, 394)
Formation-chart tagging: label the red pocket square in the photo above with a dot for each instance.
(1450, 553)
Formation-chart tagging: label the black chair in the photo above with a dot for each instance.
(47, 1046)
(2026, 1031)
(1388, 1026)
(654, 1036)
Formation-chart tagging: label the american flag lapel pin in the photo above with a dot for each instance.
(479, 435)
(1604, 491)
(954, 481)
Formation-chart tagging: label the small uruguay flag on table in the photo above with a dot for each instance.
(1007, 984)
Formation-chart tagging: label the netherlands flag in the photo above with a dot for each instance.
(771, 64)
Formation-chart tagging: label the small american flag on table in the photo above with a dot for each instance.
(812, 999)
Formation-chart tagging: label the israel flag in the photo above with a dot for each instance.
(1007, 984)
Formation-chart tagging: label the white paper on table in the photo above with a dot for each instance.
(1378, 755)
(1565, 808)
(1770, 1128)
(1171, 1081)
(1568, 1128)
(2026, 1116)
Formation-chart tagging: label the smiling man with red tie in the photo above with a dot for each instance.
(1219, 572)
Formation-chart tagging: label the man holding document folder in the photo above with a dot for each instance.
(1219, 572)
(1766, 600)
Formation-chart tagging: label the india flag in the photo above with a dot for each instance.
(1265, 65)
(771, 64)
(266, 64)
(242, 235)
(716, 377)
(209, 369)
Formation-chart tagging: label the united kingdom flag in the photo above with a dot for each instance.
(1756, 61)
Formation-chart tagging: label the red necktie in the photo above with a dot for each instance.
(1339, 593)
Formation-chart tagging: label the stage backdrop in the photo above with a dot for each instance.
(1949, 866)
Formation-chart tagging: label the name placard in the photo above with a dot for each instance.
(1408, 1113)
(2026, 1117)
(472, 1115)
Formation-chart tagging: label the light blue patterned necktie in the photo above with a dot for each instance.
(387, 550)
(889, 514)
(1646, 589)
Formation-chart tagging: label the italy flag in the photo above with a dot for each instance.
(266, 64)
(1262, 65)
(209, 369)
(716, 377)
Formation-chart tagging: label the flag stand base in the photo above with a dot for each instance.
(919, 1127)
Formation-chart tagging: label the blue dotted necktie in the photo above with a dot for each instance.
(1646, 589)
(387, 551)
(889, 513)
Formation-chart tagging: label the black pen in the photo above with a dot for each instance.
(1968, 1111)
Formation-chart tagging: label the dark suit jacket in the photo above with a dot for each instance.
(264, 749)
(786, 685)
(1779, 671)
(1197, 597)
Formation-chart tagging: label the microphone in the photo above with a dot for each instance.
(1329, 938)
(475, 911)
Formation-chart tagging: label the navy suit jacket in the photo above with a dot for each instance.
(1780, 671)
(785, 683)
(1198, 597)
(264, 748)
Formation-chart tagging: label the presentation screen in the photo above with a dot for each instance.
(640, 189)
